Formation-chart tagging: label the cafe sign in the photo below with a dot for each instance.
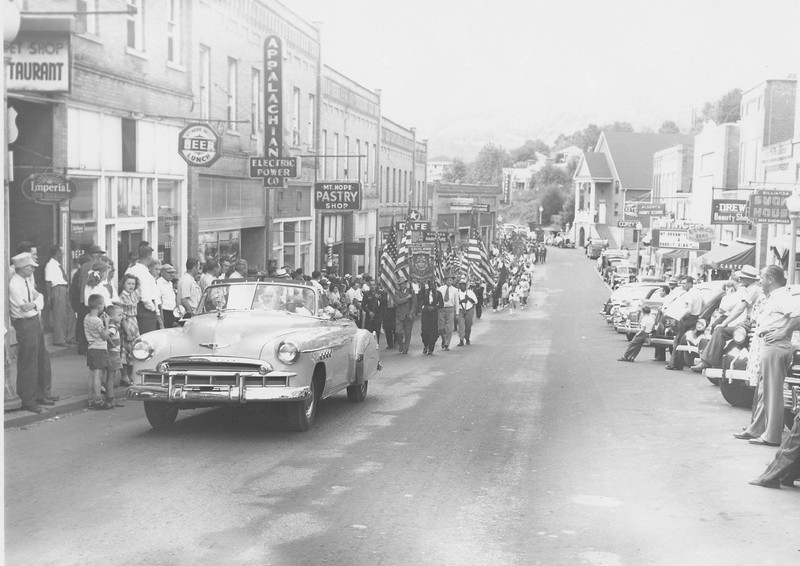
(48, 188)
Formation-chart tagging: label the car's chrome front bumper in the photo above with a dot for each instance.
(178, 389)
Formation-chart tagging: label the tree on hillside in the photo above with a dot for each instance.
(726, 109)
(552, 201)
(568, 209)
(619, 127)
(488, 165)
(457, 173)
(552, 176)
(669, 127)
(527, 151)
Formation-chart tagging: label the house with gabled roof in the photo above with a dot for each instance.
(618, 171)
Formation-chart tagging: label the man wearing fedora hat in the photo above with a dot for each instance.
(25, 306)
(749, 293)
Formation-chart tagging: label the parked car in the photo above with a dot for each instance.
(595, 248)
(622, 297)
(624, 272)
(254, 342)
(632, 315)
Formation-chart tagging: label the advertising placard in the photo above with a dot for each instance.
(199, 145)
(729, 211)
(651, 209)
(421, 226)
(769, 207)
(273, 99)
(677, 240)
(506, 188)
(700, 233)
(337, 196)
(49, 189)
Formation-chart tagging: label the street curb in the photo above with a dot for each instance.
(21, 417)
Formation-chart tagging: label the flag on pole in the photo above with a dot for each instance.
(388, 272)
(404, 251)
(478, 263)
(438, 263)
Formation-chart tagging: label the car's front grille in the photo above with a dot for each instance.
(197, 378)
(214, 371)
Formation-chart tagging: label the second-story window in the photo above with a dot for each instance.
(136, 24)
(233, 67)
(86, 21)
(255, 100)
(174, 32)
(295, 117)
(205, 82)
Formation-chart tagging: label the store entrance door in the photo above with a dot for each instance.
(127, 242)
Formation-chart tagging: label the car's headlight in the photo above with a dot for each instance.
(142, 350)
(740, 335)
(288, 353)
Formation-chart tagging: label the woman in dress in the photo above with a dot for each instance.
(429, 301)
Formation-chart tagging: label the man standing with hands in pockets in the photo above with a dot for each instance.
(466, 312)
(447, 314)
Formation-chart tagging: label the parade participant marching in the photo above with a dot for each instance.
(406, 308)
(447, 314)
(430, 301)
(466, 312)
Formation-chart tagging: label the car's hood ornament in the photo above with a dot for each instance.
(213, 345)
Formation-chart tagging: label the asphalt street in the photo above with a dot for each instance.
(533, 445)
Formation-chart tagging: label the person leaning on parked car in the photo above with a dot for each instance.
(723, 328)
(774, 324)
(691, 305)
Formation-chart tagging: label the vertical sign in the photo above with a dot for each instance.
(506, 188)
(273, 99)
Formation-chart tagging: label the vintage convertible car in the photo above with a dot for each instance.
(253, 341)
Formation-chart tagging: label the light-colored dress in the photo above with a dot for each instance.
(129, 328)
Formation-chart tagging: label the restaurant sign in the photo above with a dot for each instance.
(769, 207)
(39, 62)
(48, 188)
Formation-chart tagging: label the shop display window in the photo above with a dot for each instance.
(83, 216)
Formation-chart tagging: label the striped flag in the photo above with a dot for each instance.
(438, 263)
(388, 272)
(478, 263)
(404, 251)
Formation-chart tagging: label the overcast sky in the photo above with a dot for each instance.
(466, 73)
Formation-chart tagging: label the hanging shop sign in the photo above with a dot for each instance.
(199, 145)
(419, 226)
(461, 203)
(506, 186)
(651, 209)
(337, 196)
(729, 211)
(480, 208)
(47, 188)
(39, 62)
(700, 233)
(677, 240)
(273, 170)
(273, 99)
(769, 207)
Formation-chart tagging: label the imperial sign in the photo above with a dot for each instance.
(199, 145)
(49, 189)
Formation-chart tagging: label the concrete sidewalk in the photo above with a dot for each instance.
(70, 383)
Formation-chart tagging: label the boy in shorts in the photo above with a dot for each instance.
(114, 315)
(96, 326)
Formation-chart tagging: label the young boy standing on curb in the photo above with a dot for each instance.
(114, 315)
(97, 354)
(647, 323)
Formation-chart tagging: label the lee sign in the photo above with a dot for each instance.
(199, 145)
(337, 196)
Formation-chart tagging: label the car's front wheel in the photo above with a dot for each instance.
(160, 415)
(737, 392)
(300, 415)
(358, 392)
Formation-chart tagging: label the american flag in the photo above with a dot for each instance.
(404, 251)
(388, 273)
(452, 261)
(477, 258)
(438, 263)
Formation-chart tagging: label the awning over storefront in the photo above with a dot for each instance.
(729, 255)
(667, 253)
(780, 246)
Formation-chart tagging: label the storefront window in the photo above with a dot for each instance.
(83, 216)
(169, 220)
(215, 245)
(122, 198)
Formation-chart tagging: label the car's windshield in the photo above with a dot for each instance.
(628, 292)
(259, 296)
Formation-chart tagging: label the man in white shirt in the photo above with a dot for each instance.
(188, 287)
(148, 313)
(687, 308)
(167, 291)
(447, 314)
(210, 273)
(466, 312)
(25, 304)
(56, 284)
(239, 270)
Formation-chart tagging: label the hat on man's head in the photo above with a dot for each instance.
(24, 259)
(402, 279)
(169, 268)
(95, 250)
(748, 272)
(282, 274)
(462, 280)
(672, 280)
